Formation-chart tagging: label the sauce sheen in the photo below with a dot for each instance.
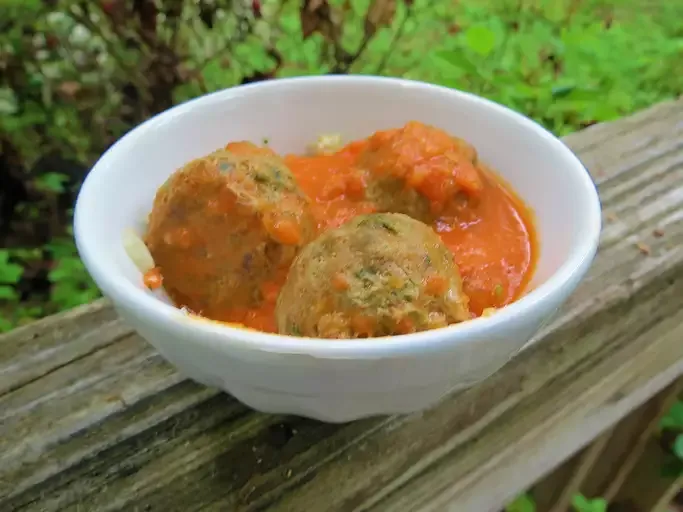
(487, 228)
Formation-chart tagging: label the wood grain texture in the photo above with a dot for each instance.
(92, 418)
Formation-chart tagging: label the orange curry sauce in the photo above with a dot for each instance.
(492, 239)
(493, 242)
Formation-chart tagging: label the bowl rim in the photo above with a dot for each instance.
(121, 291)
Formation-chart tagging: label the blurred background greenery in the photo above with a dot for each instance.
(76, 75)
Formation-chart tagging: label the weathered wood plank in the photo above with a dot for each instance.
(56, 341)
(91, 418)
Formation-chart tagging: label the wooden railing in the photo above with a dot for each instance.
(625, 466)
(92, 418)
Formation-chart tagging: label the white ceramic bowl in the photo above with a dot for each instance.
(337, 380)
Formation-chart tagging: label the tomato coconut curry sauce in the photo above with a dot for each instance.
(226, 230)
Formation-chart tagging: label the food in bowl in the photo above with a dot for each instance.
(384, 274)
(420, 170)
(340, 379)
(403, 214)
(224, 226)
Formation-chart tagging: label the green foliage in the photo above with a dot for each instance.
(71, 284)
(559, 68)
(481, 39)
(671, 426)
(525, 503)
(678, 446)
(10, 274)
(51, 182)
(583, 504)
(78, 75)
(522, 503)
(674, 418)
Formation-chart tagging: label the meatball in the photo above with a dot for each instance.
(224, 226)
(377, 275)
(419, 170)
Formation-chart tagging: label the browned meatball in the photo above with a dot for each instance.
(226, 224)
(377, 275)
(420, 170)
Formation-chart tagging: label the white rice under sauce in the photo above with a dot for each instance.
(137, 251)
